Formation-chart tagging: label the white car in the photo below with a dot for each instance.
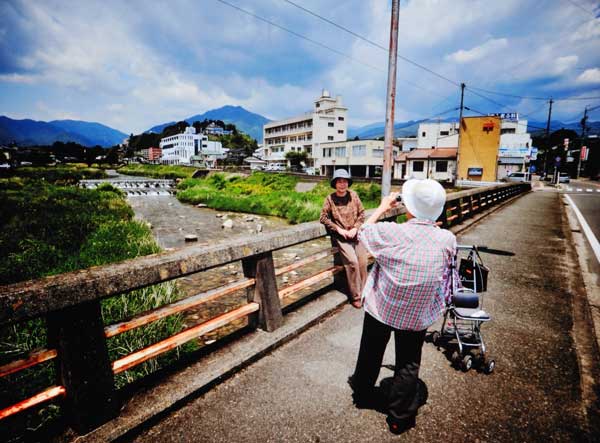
(518, 177)
(276, 167)
(311, 171)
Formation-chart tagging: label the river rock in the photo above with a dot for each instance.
(201, 205)
(191, 238)
(227, 224)
(259, 228)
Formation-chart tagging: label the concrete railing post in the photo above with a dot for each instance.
(83, 365)
(262, 268)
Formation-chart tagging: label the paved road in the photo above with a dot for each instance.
(586, 195)
(298, 393)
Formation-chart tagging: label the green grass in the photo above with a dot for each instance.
(48, 229)
(266, 194)
(158, 171)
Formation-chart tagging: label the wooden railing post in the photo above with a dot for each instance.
(262, 268)
(444, 216)
(83, 365)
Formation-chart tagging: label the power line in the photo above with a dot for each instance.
(377, 45)
(315, 42)
(582, 8)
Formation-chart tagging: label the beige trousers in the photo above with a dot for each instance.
(354, 259)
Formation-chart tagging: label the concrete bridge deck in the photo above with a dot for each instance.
(545, 387)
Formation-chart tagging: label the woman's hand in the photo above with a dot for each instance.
(389, 201)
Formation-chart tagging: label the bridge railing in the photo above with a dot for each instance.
(77, 335)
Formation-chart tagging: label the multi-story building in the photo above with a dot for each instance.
(151, 154)
(305, 133)
(179, 149)
(515, 145)
(361, 158)
(437, 135)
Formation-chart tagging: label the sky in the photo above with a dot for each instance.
(134, 64)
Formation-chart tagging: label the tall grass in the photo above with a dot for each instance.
(47, 229)
(266, 194)
(158, 171)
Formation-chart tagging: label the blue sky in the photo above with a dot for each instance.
(134, 64)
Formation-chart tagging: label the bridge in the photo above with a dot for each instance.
(545, 387)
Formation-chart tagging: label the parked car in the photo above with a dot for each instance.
(276, 167)
(518, 177)
(563, 177)
(311, 171)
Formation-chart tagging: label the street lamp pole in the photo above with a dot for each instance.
(388, 148)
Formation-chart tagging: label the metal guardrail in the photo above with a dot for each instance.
(71, 304)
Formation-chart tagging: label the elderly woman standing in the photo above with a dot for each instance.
(342, 215)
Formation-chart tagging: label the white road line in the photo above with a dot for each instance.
(586, 228)
(589, 190)
(579, 189)
(569, 189)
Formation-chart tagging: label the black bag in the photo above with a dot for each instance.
(473, 274)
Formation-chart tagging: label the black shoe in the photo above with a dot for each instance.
(399, 426)
(367, 398)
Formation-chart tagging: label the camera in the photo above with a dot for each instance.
(399, 198)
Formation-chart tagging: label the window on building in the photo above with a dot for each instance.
(340, 131)
(418, 166)
(359, 150)
(441, 166)
(330, 137)
(423, 134)
(330, 124)
(377, 152)
(318, 105)
(340, 151)
(507, 131)
(326, 152)
(444, 133)
(341, 119)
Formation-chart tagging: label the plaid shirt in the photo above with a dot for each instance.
(410, 280)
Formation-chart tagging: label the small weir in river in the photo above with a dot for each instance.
(135, 186)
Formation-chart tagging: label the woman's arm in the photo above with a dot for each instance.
(388, 202)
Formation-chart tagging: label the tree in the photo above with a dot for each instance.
(296, 158)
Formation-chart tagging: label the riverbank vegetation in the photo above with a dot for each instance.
(48, 228)
(158, 171)
(266, 194)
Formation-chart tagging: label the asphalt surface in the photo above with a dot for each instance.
(586, 195)
(298, 393)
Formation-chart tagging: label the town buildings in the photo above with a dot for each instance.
(305, 133)
(190, 148)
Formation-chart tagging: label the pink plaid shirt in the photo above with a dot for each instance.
(410, 280)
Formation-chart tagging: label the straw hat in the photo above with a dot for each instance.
(340, 173)
(424, 198)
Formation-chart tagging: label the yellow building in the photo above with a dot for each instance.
(478, 148)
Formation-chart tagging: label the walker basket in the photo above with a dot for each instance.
(473, 274)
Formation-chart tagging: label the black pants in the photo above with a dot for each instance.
(401, 392)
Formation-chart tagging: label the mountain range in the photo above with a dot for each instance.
(409, 128)
(246, 121)
(31, 132)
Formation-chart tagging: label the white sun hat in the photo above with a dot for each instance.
(424, 198)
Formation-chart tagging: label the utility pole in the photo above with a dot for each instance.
(548, 135)
(462, 100)
(583, 128)
(388, 143)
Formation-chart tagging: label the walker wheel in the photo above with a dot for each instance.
(489, 365)
(435, 338)
(455, 357)
(467, 363)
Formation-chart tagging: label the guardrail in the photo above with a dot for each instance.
(77, 336)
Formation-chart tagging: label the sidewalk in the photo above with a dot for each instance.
(298, 393)
(544, 387)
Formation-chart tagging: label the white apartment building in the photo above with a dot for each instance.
(190, 147)
(361, 158)
(305, 133)
(437, 135)
(515, 145)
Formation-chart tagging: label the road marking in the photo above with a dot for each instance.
(569, 188)
(579, 189)
(589, 190)
(586, 229)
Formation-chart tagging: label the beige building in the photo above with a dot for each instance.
(362, 158)
(304, 133)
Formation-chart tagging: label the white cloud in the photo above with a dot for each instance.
(489, 48)
(589, 76)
